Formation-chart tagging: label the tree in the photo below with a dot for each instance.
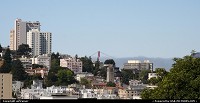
(126, 76)
(143, 75)
(86, 82)
(182, 82)
(37, 66)
(18, 71)
(87, 64)
(24, 49)
(103, 72)
(1, 49)
(65, 77)
(6, 67)
(110, 61)
(110, 84)
(96, 68)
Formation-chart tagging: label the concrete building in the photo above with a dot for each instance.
(39, 42)
(18, 35)
(26, 62)
(5, 86)
(151, 75)
(12, 39)
(72, 63)
(110, 72)
(83, 75)
(44, 60)
(17, 86)
(41, 71)
(137, 65)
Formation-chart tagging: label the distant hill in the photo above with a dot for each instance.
(157, 62)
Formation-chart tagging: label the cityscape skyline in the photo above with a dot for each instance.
(129, 28)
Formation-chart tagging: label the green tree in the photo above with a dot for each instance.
(24, 49)
(182, 82)
(110, 84)
(127, 75)
(6, 67)
(143, 75)
(18, 71)
(103, 72)
(85, 82)
(96, 68)
(87, 64)
(110, 61)
(37, 66)
(1, 49)
(65, 77)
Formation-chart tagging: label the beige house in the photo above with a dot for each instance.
(5, 86)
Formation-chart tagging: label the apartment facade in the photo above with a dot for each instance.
(39, 42)
(18, 35)
(44, 60)
(5, 86)
(72, 63)
(137, 65)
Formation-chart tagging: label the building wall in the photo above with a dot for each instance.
(12, 39)
(26, 62)
(44, 60)
(39, 42)
(138, 65)
(72, 64)
(5, 86)
(20, 32)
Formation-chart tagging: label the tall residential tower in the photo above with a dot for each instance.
(18, 35)
(39, 42)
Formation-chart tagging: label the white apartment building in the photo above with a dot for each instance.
(83, 75)
(44, 60)
(18, 35)
(72, 63)
(39, 42)
(151, 75)
(17, 86)
(137, 65)
(26, 62)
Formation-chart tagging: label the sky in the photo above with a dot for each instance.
(117, 28)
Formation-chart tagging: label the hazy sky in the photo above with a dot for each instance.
(119, 28)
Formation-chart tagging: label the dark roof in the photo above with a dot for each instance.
(196, 55)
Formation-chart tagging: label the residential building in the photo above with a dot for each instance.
(136, 65)
(5, 86)
(41, 71)
(72, 63)
(17, 86)
(44, 60)
(18, 35)
(12, 39)
(151, 75)
(26, 62)
(134, 89)
(83, 75)
(39, 42)
(196, 55)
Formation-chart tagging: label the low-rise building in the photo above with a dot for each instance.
(137, 65)
(17, 86)
(151, 75)
(40, 71)
(26, 62)
(83, 75)
(44, 60)
(73, 64)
